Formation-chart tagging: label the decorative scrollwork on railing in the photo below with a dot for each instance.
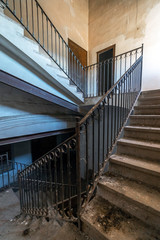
(47, 185)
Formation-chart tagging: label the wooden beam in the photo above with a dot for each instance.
(18, 83)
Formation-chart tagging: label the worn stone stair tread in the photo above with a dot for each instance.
(151, 92)
(146, 98)
(142, 165)
(140, 194)
(97, 223)
(142, 128)
(141, 107)
(140, 143)
(145, 116)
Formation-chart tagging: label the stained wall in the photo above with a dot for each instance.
(128, 24)
(70, 17)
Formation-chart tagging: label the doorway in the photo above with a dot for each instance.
(105, 58)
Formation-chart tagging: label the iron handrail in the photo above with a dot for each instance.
(99, 130)
(49, 152)
(61, 53)
(114, 57)
(90, 112)
(99, 77)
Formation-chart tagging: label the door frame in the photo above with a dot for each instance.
(104, 50)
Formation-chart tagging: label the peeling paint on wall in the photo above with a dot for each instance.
(128, 24)
(70, 17)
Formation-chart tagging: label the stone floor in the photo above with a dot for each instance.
(31, 228)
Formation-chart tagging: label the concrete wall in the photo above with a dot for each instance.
(128, 24)
(23, 114)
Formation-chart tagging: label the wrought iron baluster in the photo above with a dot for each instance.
(59, 50)
(27, 13)
(38, 190)
(42, 29)
(108, 75)
(45, 183)
(37, 22)
(55, 32)
(69, 179)
(93, 145)
(112, 119)
(63, 44)
(32, 18)
(104, 131)
(78, 172)
(62, 181)
(99, 136)
(51, 39)
(20, 3)
(47, 34)
(86, 133)
(115, 114)
(108, 121)
(14, 9)
(55, 181)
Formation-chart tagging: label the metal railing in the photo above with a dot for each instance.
(65, 178)
(99, 77)
(36, 22)
(94, 80)
(98, 131)
(50, 182)
(9, 173)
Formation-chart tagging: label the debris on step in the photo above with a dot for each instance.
(103, 220)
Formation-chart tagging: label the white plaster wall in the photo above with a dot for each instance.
(70, 17)
(128, 24)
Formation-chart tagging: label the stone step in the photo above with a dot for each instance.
(145, 120)
(136, 169)
(137, 199)
(147, 110)
(102, 221)
(153, 100)
(140, 149)
(142, 133)
(150, 93)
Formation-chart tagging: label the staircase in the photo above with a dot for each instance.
(64, 180)
(39, 61)
(127, 205)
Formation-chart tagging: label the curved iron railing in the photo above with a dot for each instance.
(36, 22)
(49, 184)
